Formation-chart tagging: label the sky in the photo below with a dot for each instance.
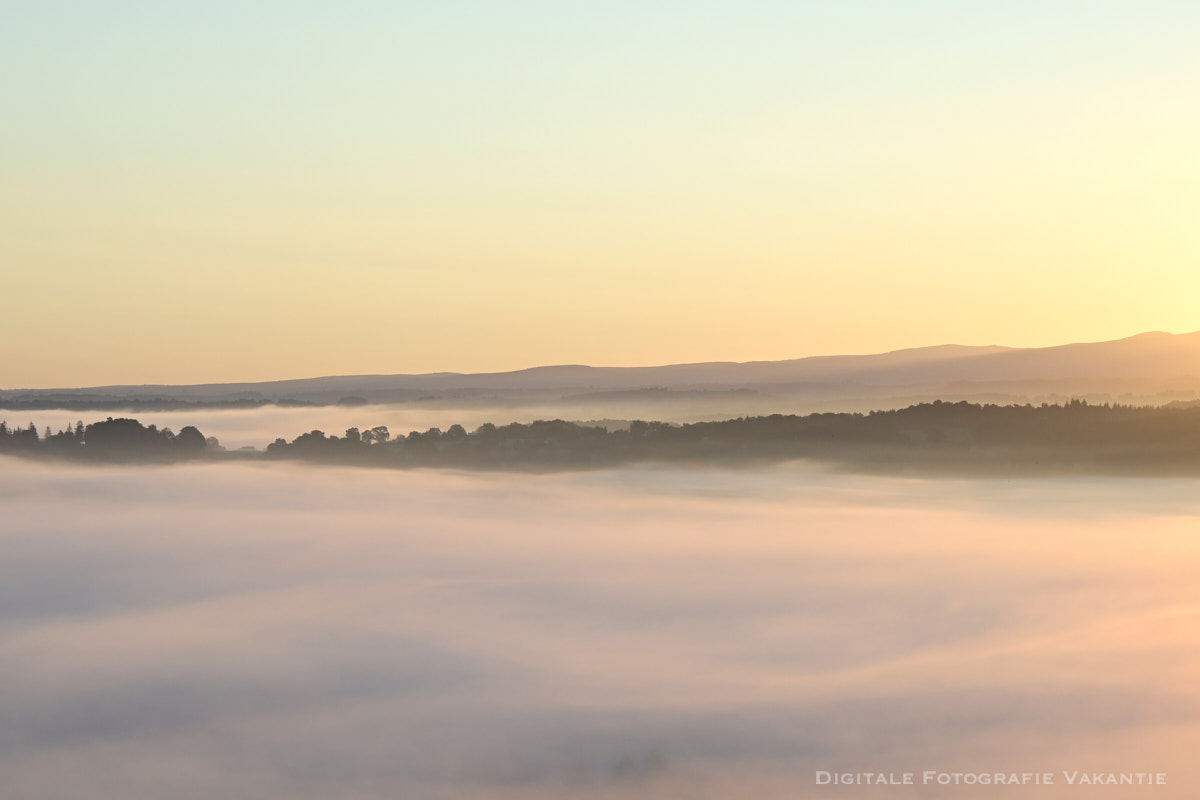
(218, 191)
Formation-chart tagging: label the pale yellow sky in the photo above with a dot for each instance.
(186, 199)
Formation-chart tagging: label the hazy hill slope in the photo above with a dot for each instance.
(1146, 356)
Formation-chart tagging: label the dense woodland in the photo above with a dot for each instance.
(116, 439)
(1071, 437)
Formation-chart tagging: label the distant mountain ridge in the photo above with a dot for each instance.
(1155, 355)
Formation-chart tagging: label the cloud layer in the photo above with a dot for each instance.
(276, 632)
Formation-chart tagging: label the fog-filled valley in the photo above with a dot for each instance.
(599, 401)
(275, 631)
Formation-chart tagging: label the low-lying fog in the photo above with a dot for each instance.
(272, 631)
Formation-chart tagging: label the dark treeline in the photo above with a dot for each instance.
(111, 439)
(930, 436)
(1074, 436)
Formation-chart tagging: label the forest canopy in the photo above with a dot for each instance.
(1071, 437)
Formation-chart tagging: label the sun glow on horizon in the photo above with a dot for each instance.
(464, 188)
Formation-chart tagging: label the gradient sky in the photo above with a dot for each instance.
(238, 191)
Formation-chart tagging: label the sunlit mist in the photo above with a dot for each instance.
(279, 632)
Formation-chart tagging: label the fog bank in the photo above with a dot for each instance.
(240, 631)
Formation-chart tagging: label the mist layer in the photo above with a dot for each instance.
(246, 632)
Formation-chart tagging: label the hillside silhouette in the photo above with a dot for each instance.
(1146, 364)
